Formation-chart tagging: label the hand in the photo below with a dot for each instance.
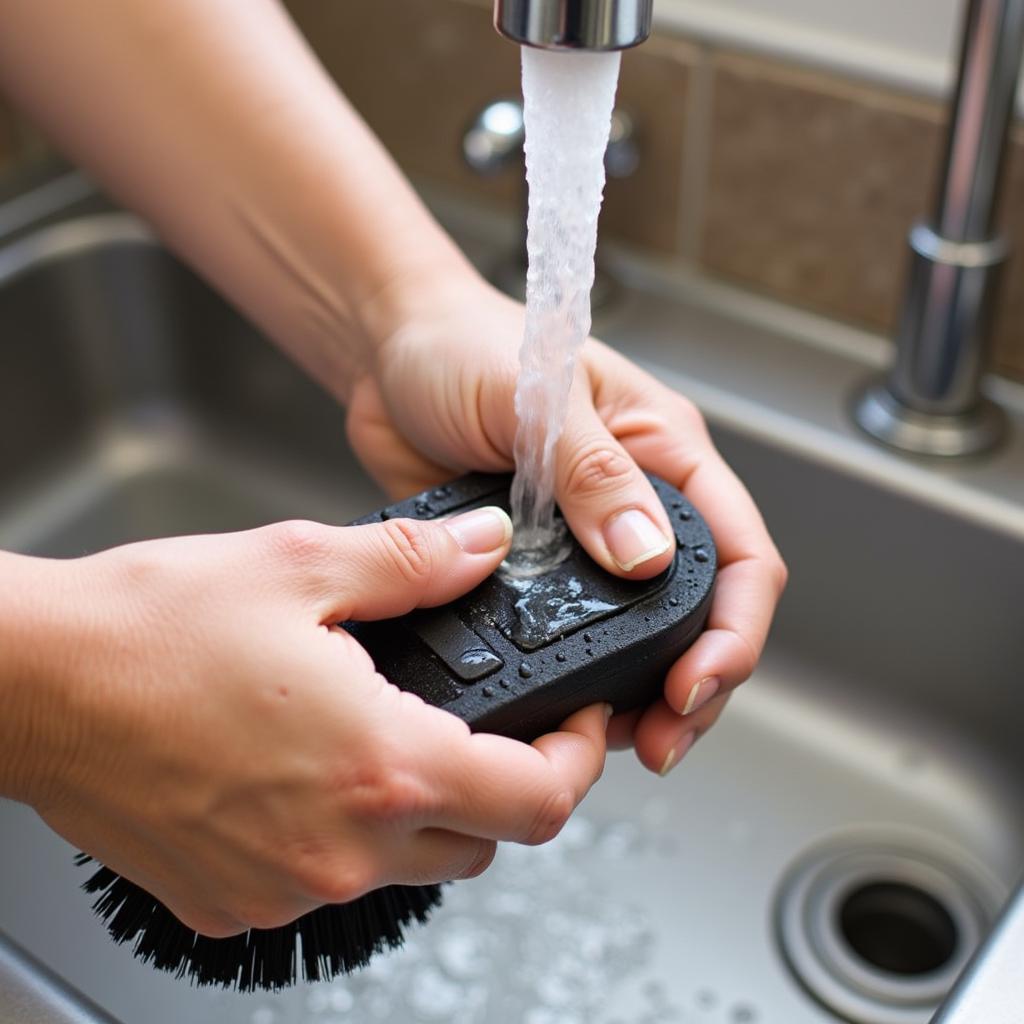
(213, 737)
(439, 402)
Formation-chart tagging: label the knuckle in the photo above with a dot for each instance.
(688, 413)
(780, 573)
(551, 818)
(747, 657)
(264, 915)
(209, 923)
(483, 859)
(384, 794)
(333, 882)
(407, 546)
(598, 469)
(298, 540)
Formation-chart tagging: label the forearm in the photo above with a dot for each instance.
(213, 119)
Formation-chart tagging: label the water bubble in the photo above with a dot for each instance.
(700, 555)
(560, 656)
(317, 1001)
(525, 669)
(433, 996)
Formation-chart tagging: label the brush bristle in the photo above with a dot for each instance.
(334, 939)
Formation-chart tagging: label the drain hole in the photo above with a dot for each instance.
(898, 928)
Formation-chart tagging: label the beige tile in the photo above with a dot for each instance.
(813, 184)
(419, 73)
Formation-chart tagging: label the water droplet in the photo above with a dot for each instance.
(488, 691)
(674, 602)
(560, 656)
(341, 1000)
(706, 999)
(504, 684)
(677, 504)
(477, 656)
(588, 638)
(441, 492)
(700, 555)
(316, 1002)
(590, 653)
(686, 515)
(525, 670)
(433, 996)
(423, 508)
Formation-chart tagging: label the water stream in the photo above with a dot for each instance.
(568, 99)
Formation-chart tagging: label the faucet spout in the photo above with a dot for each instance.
(574, 24)
(931, 403)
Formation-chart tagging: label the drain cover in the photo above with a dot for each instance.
(877, 927)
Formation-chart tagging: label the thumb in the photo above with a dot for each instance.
(386, 569)
(607, 501)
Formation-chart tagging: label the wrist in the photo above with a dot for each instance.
(416, 293)
(35, 731)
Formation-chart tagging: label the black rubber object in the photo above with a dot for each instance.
(518, 657)
(515, 658)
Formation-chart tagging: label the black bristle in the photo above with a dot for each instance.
(335, 939)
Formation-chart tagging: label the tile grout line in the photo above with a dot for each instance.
(696, 158)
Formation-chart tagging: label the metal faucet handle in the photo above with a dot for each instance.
(494, 141)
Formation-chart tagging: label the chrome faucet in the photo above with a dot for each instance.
(931, 402)
(574, 24)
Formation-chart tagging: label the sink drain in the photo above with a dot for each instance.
(878, 928)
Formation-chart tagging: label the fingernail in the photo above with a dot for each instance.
(677, 753)
(701, 693)
(482, 530)
(633, 538)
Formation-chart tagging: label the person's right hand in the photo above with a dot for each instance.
(200, 726)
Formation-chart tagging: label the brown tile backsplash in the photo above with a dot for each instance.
(7, 146)
(1009, 324)
(800, 184)
(421, 97)
(813, 184)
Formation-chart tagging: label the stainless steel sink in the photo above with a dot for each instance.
(868, 783)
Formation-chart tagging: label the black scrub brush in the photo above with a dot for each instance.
(336, 939)
(510, 659)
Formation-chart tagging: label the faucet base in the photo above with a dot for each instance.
(882, 415)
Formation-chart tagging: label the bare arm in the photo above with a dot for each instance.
(213, 119)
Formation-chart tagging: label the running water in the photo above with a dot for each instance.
(568, 99)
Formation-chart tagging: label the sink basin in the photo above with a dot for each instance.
(869, 782)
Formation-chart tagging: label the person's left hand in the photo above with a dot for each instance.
(439, 402)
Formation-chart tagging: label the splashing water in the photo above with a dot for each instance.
(568, 99)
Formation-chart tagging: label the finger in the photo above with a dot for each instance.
(620, 729)
(498, 788)
(663, 738)
(728, 650)
(607, 501)
(386, 569)
(437, 855)
(752, 575)
(383, 450)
